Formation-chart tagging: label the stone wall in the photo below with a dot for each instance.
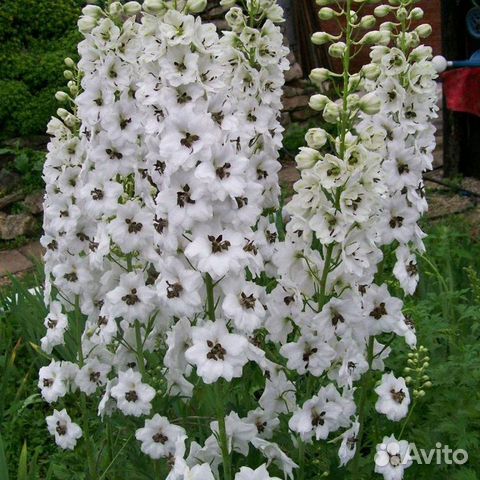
(297, 89)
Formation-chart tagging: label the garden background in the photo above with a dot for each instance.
(36, 36)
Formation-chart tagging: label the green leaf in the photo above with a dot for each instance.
(22, 464)
(3, 461)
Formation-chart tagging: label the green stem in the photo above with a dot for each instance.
(222, 433)
(139, 349)
(92, 468)
(364, 391)
(405, 423)
(210, 297)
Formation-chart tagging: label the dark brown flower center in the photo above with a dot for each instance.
(174, 290)
(131, 298)
(379, 311)
(131, 396)
(218, 244)
(217, 352)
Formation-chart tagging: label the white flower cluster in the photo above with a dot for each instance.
(156, 184)
(408, 92)
(360, 191)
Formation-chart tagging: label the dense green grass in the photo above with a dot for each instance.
(446, 310)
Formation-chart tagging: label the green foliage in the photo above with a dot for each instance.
(35, 37)
(29, 164)
(446, 311)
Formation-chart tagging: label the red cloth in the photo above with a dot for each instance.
(461, 88)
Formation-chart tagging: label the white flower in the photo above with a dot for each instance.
(133, 397)
(406, 270)
(92, 375)
(65, 431)
(348, 447)
(261, 473)
(159, 437)
(394, 397)
(56, 324)
(217, 353)
(392, 458)
(52, 382)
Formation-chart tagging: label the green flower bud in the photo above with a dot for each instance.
(318, 102)
(154, 6)
(371, 38)
(319, 75)
(132, 8)
(69, 62)
(228, 3)
(402, 13)
(337, 50)
(370, 104)
(321, 38)
(323, 3)
(428, 385)
(196, 6)
(326, 13)
(307, 158)
(316, 138)
(416, 14)
(382, 11)
(331, 113)
(424, 30)
(367, 22)
(92, 11)
(371, 71)
(62, 97)
(62, 113)
(86, 24)
(115, 9)
(68, 74)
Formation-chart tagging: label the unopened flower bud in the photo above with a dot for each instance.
(370, 103)
(371, 38)
(62, 113)
(318, 102)
(424, 30)
(367, 22)
(307, 158)
(61, 97)
(228, 3)
(320, 38)
(70, 120)
(337, 50)
(72, 86)
(68, 74)
(319, 75)
(408, 380)
(92, 11)
(385, 38)
(402, 13)
(132, 8)
(196, 6)
(428, 384)
(323, 3)
(371, 71)
(326, 13)
(316, 138)
(86, 24)
(115, 9)
(154, 6)
(382, 11)
(416, 14)
(407, 370)
(69, 62)
(331, 113)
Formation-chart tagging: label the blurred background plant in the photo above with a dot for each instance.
(35, 38)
